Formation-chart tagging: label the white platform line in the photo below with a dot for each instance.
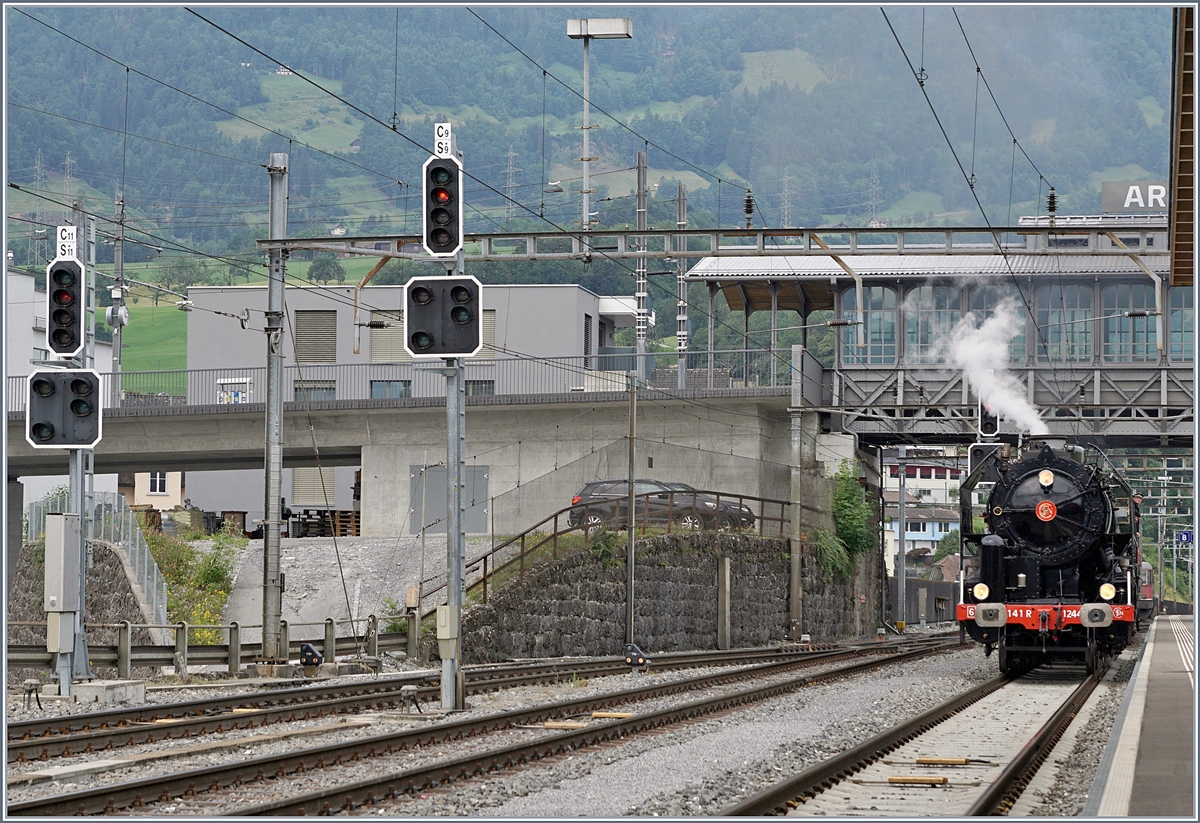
(1118, 791)
(1186, 643)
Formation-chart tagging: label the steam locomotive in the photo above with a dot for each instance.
(1056, 569)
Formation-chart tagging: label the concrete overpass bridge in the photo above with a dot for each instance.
(538, 437)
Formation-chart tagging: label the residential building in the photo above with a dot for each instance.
(331, 354)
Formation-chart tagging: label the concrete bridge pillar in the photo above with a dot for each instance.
(386, 488)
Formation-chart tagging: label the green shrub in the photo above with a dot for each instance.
(607, 545)
(852, 514)
(393, 613)
(830, 553)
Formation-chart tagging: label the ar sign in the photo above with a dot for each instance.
(1133, 196)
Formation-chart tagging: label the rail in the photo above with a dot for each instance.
(734, 370)
(569, 530)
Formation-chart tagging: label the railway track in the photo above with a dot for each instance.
(109, 730)
(286, 779)
(971, 756)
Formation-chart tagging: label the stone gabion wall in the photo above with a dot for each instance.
(110, 599)
(576, 606)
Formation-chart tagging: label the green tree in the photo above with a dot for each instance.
(325, 268)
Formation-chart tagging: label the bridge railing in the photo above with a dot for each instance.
(569, 530)
(603, 372)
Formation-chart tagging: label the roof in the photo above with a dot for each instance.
(923, 513)
(806, 283)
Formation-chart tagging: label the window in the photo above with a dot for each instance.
(488, 328)
(387, 343)
(390, 389)
(158, 483)
(910, 471)
(1128, 339)
(41, 354)
(480, 387)
(930, 313)
(878, 329)
(1182, 323)
(316, 336)
(1006, 302)
(1063, 315)
(312, 486)
(940, 474)
(894, 470)
(314, 390)
(926, 473)
(914, 525)
(587, 335)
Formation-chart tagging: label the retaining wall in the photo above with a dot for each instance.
(576, 605)
(109, 599)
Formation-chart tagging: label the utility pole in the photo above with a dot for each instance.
(640, 292)
(510, 186)
(273, 452)
(901, 593)
(117, 314)
(785, 208)
(585, 29)
(632, 517)
(681, 306)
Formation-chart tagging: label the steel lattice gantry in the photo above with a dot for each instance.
(1092, 370)
(1100, 346)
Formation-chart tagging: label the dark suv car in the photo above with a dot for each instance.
(606, 502)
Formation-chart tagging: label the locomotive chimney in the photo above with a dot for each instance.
(1054, 441)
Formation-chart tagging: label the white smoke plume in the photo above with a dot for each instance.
(980, 349)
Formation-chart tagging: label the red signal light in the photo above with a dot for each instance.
(440, 196)
(63, 297)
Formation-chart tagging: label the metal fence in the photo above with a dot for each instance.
(116, 524)
(179, 648)
(723, 370)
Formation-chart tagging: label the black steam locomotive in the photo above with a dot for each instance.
(1055, 570)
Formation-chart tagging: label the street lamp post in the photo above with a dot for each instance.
(588, 29)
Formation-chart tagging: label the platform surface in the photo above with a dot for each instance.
(1164, 775)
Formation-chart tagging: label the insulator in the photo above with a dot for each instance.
(1051, 202)
(749, 208)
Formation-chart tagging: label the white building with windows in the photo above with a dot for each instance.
(333, 353)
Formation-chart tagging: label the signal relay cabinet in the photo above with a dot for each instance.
(61, 597)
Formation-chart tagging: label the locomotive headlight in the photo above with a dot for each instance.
(1108, 591)
(1046, 478)
(981, 591)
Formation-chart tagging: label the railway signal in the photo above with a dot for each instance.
(442, 316)
(442, 213)
(64, 307)
(62, 409)
(989, 421)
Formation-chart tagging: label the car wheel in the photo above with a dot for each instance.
(689, 522)
(593, 520)
(723, 523)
